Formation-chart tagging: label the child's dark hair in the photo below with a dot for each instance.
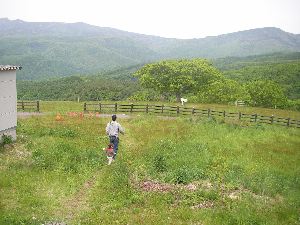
(110, 145)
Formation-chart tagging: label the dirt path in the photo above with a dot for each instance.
(24, 115)
(29, 114)
(78, 203)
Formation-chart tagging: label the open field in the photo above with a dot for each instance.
(67, 106)
(184, 170)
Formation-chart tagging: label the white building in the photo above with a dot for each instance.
(8, 100)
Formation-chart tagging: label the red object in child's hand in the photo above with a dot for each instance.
(110, 152)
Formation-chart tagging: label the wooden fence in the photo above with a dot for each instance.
(177, 110)
(28, 106)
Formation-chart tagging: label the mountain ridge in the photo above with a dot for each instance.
(6, 21)
(55, 49)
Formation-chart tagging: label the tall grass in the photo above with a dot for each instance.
(57, 172)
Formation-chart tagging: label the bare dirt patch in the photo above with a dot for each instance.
(55, 223)
(205, 185)
(156, 186)
(19, 151)
(203, 205)
(24, 115)
(166, 187)
(150, 185)
(16, 152)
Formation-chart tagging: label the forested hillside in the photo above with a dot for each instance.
(283, 69)
(47, 50)
(111, 85)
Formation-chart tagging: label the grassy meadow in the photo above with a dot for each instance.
(182, 170)
(67, 106)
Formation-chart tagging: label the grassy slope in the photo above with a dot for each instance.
(56, 172)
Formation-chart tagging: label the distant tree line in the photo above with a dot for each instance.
(200, 81)
(267, 84)
(76, 87)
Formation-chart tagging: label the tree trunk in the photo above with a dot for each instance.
(178, 97)
(162, 98)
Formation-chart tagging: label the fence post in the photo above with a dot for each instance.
(224, 113)
(177, 110)
(100, 107)
(147, 108)
(240, 115)
(208, 113)
(288, 122)
(131, 109)
(23, 106)
(255, 118)
(84, 107)
(162, 109)
(272, 119)
(38, 106)
(116, 107)
(193, 111)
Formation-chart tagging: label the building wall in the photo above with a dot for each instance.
(8, 101)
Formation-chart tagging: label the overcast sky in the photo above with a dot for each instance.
(166, 18)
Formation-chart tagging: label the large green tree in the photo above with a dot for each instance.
(178, 77)
(223, 91)
(266, 93)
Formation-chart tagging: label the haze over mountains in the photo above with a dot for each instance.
(47, 49)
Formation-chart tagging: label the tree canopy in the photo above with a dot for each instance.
(266, 93)
(178, 77)
(223, 91)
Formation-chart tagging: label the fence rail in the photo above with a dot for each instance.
(177, 110)
(28, 106)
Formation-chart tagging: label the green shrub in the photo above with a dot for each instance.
(293, 104)
(159, 163)
(6, 140)
(181, 176)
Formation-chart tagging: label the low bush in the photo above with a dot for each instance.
(6, 140)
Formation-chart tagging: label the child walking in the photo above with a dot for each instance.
(113, 129)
